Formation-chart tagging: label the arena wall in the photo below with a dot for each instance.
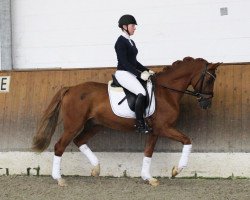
(220, 135)
(81, 34)
(222, 128)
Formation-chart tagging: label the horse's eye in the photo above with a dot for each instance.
(210, 80)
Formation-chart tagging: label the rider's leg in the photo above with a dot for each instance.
(131, 83)
(139, 111)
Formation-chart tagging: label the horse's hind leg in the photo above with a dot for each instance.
(59, 149)
(81, 142)
(72, 126)
(74, 110)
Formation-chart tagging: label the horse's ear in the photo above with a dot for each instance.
(216, 65)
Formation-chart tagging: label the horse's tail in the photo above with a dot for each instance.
(48, 122)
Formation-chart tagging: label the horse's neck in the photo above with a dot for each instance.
(176, 79)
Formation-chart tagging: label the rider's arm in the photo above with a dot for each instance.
(141, 67)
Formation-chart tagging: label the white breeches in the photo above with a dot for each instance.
(130, 82)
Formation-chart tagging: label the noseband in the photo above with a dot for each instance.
(202, 95)
(198, 94)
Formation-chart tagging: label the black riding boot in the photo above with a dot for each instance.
(142, 127)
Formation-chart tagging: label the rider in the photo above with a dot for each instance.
(129, 70)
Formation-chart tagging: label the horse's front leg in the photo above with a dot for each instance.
(148, 152)
(186, 150)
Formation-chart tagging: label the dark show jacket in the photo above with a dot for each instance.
(126, 56)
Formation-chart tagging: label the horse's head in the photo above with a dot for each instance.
(203, 83)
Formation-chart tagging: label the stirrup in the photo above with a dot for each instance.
(142, 127)
(148, 128)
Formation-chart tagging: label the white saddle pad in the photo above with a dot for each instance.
(116, 94)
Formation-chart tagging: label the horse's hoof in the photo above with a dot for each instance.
(175, 171)
(153, 181)
(61, 182)
(96, 171)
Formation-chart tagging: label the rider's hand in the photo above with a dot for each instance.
(145, 75)
(151, 72)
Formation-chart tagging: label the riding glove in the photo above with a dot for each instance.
(151, 72)
(145, 75)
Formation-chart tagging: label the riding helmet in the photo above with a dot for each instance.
(126, 20)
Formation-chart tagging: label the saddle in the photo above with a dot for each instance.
(131, 97)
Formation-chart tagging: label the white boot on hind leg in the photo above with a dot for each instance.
(92, 158)
(56, 171)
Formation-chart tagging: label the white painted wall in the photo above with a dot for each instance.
(82, 33)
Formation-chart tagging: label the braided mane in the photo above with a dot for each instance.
(185, 61)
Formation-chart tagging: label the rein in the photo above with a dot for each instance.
(152, 92)
(199, 94)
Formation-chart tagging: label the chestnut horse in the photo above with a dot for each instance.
(85, 109)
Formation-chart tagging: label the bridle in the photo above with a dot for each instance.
(200, 95)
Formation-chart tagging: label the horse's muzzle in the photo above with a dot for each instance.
(205, 103)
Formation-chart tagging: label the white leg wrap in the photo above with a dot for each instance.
(145, 172)
(89, 154)
(56, 174)
(184, 156)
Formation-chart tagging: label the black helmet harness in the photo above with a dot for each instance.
(126, 20)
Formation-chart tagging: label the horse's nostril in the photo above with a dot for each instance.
(205, 103)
